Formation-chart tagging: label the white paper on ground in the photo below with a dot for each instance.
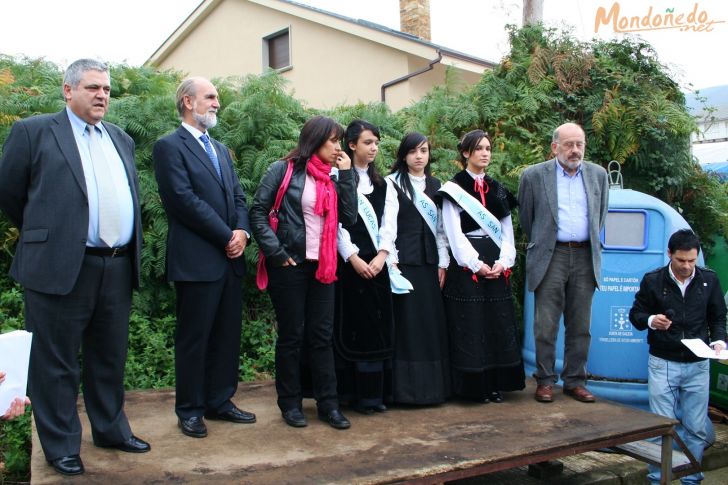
(701, 349)
(14, 358)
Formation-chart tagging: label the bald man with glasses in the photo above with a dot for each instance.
(563, 205)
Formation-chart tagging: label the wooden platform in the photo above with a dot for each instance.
(405, 444)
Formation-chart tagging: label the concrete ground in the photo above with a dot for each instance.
(383, 448)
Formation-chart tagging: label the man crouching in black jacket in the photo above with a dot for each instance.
(680, 301)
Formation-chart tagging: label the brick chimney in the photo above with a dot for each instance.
(414, 17)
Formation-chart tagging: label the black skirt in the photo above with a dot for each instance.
(420, 368)
(363, 329)
(363, 336)
(485, 347)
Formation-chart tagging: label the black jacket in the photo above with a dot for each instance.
(290, 240)
(700, 314)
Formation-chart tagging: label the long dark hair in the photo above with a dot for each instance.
(351, 135)
(409, 142)
(469, 142)
(314, 133)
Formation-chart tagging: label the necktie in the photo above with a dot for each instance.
(211, 153)
(482, 188)
(109, 213)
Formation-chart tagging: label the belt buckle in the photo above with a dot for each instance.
(115, 252)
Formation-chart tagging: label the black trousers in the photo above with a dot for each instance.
(305, 313)
(207, 344)
(93, 317)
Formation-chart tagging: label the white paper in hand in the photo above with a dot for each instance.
(701, 349)
(14, 358)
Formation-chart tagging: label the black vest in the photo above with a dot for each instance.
(358, 231)
(498, 200)
(415, 241)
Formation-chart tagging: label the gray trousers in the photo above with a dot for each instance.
(568, 289)
(93, 317)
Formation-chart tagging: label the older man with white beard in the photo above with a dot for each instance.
(208, 232)
(563, 204)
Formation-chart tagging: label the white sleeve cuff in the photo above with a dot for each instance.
(475, 266)
(349, 252)
(444, 257)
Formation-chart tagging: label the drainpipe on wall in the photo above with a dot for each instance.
(429, 67)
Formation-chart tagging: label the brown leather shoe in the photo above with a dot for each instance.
(580, 393)
(544, 393)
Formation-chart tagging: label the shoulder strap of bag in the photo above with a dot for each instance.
(283, 187)
(261, 275)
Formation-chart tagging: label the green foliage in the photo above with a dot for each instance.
(258, 343)
(11, 306)
(443, 115)
(630, 108)
(27, 87)
(151, 363)
(15, 447)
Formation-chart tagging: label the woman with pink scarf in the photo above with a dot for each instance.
(301, 263)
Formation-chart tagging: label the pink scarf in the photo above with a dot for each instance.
(325, 207)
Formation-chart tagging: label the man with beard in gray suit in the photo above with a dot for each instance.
(563, 205)
(69, 184)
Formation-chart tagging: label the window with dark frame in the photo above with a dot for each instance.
(279, 52)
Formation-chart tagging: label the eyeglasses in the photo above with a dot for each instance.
(571, 144)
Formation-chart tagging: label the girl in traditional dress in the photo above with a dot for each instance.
(420, 373)
(363, 330)
(485, 351)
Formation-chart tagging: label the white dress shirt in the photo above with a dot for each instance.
(123, 189)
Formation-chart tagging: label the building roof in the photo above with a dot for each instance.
(715, 98)
(369, 30)
(404, 35)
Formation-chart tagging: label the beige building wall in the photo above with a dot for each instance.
(329, 67)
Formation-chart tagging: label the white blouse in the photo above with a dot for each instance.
(461, 248)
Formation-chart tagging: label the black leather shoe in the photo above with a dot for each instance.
(294, 417)
(132, 445)
(335, 419)
(68, 465)
(496, 396)
(367, 410)
(233, 415)
(193, 427)
(379, 408)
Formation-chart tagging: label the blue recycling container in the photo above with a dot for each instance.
(634, 241)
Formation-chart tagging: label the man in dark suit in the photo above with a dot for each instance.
(562, 207)
(69, 184)
(208, 232)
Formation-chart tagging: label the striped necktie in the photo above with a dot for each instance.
(211, 153)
